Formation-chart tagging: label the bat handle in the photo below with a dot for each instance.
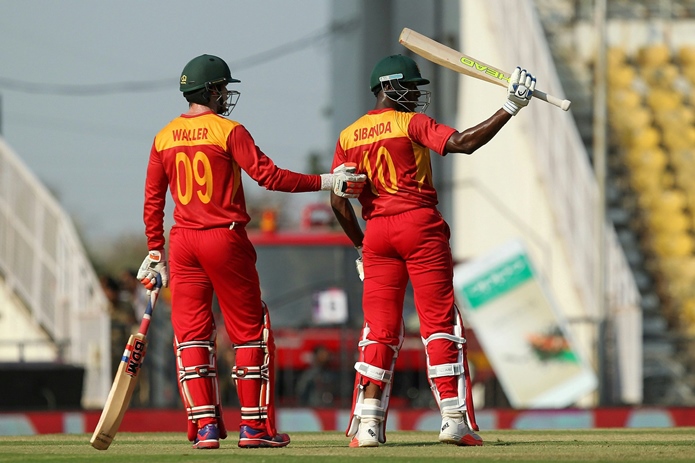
(152, 294)
(553, 100)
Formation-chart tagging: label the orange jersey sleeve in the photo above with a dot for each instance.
(200, 159)
(393, 149)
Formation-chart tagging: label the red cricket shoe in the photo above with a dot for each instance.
(253, 438)
(455, 430)
(208, 437)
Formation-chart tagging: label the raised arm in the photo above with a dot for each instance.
(519, 93)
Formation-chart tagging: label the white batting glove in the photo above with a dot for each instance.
(344, 181)
(154, 264)
(359, 264)
(520, 90)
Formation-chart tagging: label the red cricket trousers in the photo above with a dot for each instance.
(223, 259)
(415, 245)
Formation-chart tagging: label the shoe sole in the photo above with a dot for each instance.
(467, 441)
(202, 445)
(259, 443)
(354, 443)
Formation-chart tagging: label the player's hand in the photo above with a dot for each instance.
(346, 183)
(520, 90)
(154, 264)
(358, 264)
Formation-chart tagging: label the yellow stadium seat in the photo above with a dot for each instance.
(673, 200)
(625, 135)
(621, 77)
(649, 185)
(647, 188)
(689, 73)
(623, 99)
(660, 204)
(686, 315)
(645, 138)
(662, 76)
(662, 99)
(684, 159)
(681, 266)
(673, 244)
(637, 118)
(679, 138)
(616, 56)
(690, 195)
(668, 221)
(654, 159)
(684, 181)
(686, 55)
(679, 116)
(654, 55)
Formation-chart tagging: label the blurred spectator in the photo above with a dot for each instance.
(122, 320)
(133, 293)
(316, 386)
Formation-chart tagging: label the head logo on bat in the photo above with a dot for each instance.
(484, 68)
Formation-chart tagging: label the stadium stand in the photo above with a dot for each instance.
(54, 323)
(650, 192)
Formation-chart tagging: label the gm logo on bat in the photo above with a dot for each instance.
(482, 68)
(135, 360)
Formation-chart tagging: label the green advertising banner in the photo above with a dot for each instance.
(497, 282)
(523, 335)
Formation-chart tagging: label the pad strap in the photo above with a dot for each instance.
(456, 404)
(203, 411)
(369, 412)
(449, 337)
(254, 413)
(372, 372)
(446, 369)
(252, 372)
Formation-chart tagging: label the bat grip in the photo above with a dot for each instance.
(553, 100)
(152, 294)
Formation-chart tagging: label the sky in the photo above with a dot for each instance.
(85, 85)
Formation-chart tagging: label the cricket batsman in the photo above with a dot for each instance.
(199, 158)
(406, 238)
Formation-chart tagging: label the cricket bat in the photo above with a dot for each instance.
(126, 378)
(467, 65)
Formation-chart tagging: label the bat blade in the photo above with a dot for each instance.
(126, 378)
(121, 392)
(456, 61)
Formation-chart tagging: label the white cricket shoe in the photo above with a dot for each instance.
(367, 434)
(455, 431)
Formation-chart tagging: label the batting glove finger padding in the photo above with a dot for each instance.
(344, 182)
(154, 264)
(520, 90)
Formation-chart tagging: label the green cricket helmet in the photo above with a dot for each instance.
(396, 71)
(201, 76)
(396, 67)
(205, 71)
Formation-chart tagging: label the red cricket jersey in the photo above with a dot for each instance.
(393, 149)
(200, 159)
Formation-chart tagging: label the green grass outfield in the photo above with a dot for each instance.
(606, 445)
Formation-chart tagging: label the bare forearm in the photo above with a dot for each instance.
(473, 138)
(347, 219)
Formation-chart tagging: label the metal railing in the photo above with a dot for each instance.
(45, 265)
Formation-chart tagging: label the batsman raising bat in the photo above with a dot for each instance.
(199, 157)
(407, 238)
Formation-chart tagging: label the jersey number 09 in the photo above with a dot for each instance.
(187, 171)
